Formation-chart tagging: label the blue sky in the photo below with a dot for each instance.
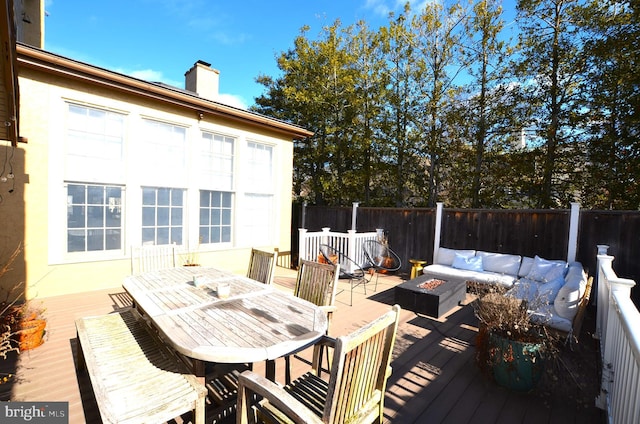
(159, 40)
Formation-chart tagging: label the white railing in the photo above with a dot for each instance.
(618, 328)
(349, 243)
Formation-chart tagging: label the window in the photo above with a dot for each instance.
(94, 145)
(215, 216)
(258, 225)
(259, 168)
(94, 217)
(162, 150)
(162, 215)
(216, 156)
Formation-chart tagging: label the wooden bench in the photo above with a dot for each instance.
(135, 377)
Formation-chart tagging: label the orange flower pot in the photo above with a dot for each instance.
(31, 334)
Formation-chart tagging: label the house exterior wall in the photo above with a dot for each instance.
(40, 195)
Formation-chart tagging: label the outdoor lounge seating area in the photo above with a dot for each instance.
(433, 375)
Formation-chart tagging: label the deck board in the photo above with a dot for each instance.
(434, 378)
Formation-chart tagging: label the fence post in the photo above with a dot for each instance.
(438, 228)
(572, 244)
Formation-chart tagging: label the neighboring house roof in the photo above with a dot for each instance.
(31, 57)
(9, 95)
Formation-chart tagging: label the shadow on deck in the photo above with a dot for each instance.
(434, 378)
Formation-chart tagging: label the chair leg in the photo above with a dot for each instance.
(287, 369)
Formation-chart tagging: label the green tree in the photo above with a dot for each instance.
(612, 96)
(436, 62)
(550, 70)
(485, 52)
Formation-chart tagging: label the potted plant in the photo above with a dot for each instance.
(510, 347)
(22, 324)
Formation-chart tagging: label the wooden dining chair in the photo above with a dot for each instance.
(152, 257)
(261, 265)
(316, 283)
(354, 392)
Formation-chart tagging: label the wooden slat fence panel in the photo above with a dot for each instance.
(524, 232)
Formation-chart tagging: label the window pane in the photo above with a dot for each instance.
(75, 241)
(226, 200)
(95, 195)
(95, 240)
(95, 216)
(205, 199)
(204, 216)
(163, 236)
(163, 216)
(176, 235)
(76, 193)
(176, 197)
(75, 217)
(148, 217)
(205, 238)
(148, 196)
(114, 239)
(148, 235)
(176, 216)
(163, 196)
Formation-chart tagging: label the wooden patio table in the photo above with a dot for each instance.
(256, 323)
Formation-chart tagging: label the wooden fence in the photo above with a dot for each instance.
(411, 232)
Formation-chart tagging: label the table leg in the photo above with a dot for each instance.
(199, 370)
(270, 370)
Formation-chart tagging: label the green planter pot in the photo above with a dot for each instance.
(517, 365)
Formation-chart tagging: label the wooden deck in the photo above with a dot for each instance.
(434, 379)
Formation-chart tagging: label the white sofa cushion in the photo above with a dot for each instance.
(525, 266)
(548, 291)
(501, 263)
(472, 263)
(568, 298)
(446, 256)
(545, 315)
(461, 275)
(546, 270)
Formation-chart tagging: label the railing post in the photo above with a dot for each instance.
(302, 243)
(351, 247)
(602, 290)
(354, 215)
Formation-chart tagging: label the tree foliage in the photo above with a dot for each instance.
(440, 105)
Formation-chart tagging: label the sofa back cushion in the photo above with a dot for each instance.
(471, 263)
(545, 270)
(525, 266)
(446, 255)
(500, 263)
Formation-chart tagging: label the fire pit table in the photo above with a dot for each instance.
(430, 296)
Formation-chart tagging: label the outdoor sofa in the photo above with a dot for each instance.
(553, 288)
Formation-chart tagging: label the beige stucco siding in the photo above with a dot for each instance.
(48, 269)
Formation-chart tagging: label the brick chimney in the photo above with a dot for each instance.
(203, 80)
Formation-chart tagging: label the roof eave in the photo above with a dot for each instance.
(30, 57)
